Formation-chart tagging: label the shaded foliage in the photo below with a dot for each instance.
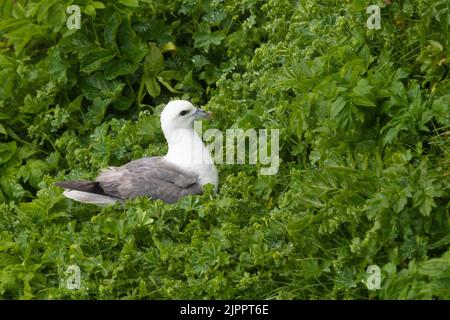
(364, 126)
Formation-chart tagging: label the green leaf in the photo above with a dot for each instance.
(90, 10)
(436, 45)
(204, 38)
(57, 65)
(363, 101)
(441, 110)
(7, 150)
(170, 75)
(362, 94)
(336, 107)
(33, 171)
(93, 61)
(6, 260)
(130, 3)
(97, 4)
(363, 88)
(116, 68)
(97, 111)
(9, 184)
(438, 268)
(75, 105)
(111, 30)
(154, 61)
(96, 86)
(2, 129)
(167, 85)
(153, 87)
(130, 45)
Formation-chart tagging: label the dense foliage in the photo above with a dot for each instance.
(364, 148)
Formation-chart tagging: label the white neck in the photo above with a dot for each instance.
(187, 151)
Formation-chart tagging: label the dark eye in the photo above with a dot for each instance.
(184, 112)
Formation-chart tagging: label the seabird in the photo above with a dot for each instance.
(184, 170)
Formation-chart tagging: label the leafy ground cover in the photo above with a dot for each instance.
(364, 126)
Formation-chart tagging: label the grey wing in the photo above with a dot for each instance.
(151, 176)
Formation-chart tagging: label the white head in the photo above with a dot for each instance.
(180, 114)
(186, 149)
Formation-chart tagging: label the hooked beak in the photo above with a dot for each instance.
(201, 114)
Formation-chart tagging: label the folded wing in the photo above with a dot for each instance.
(150, 176)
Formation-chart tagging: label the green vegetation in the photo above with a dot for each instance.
(364, 148)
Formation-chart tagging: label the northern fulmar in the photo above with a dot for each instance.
(184, 170)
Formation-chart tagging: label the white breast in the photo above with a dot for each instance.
(188, 152)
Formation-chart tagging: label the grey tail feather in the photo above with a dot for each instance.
(82, 185)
